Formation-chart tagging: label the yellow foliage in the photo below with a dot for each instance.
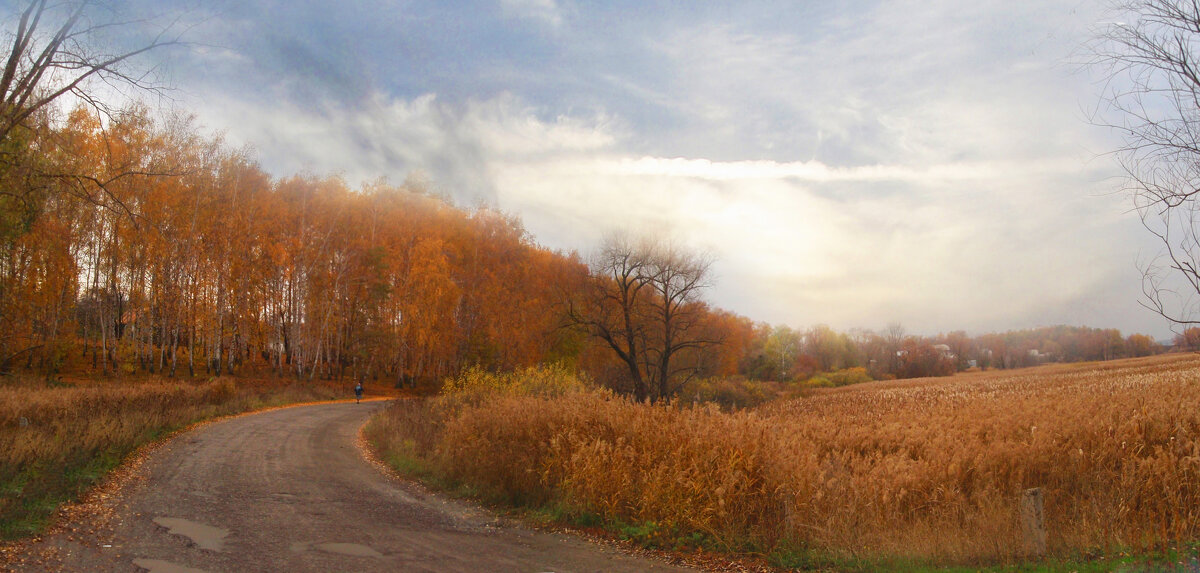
(843, 377)
(476, 384)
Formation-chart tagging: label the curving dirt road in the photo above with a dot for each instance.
(288, 490)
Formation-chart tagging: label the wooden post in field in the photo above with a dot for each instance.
(1033, 522)
(789, 515)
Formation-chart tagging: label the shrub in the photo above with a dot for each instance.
(856, 375)
(729, 393)
(842, 377)
(476, 385)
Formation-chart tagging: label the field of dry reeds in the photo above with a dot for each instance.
(55, 442)
(929, 470)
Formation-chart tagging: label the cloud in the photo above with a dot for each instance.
(920, 161)
(936, 253)
(457, 145)
(802, 170)
(544, 11)
(954, 245)
(885, 82)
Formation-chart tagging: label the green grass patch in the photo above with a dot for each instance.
(793, 558)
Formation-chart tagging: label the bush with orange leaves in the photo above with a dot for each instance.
(926, 469)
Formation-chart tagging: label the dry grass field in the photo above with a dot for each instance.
(927, 471)
(55, 442)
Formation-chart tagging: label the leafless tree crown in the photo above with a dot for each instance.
(643, 303)
(1148, 54)
(55, 50)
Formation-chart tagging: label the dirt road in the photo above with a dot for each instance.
(288, 490)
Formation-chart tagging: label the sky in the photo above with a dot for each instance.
(855, 164)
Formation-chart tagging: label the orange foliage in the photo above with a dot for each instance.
(165, 251)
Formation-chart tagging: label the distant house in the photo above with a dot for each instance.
(130, 316)
(127, 318)
(943, 350)
(1039, 357)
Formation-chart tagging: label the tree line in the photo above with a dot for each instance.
(783, 353)
(133, 245)
(130, 244)
(191, 257)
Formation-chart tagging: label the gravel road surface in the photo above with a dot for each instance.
(289, 490)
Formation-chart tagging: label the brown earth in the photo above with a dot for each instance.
(289, 490)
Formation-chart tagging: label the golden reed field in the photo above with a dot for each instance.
(930, 470)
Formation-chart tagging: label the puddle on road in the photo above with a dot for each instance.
(160, 566)
(204, 536)
(348, 549)
(352, 549)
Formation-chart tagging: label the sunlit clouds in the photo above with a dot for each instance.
(922, 162)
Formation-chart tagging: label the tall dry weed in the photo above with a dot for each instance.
(931, 470)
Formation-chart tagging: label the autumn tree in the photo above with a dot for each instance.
(781, 349)
(918, 359)
(832, 350)
(1189, 339)
(54, 51)
(1140, 345)
(143, 246)
(643, 302)
(893, 339)
(961, 346)
(737, 335)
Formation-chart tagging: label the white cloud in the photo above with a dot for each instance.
(900, 161)
(544, 11)
(456, 144)
(945, 253)
(890, 82)
(804, 170)
(954, 245)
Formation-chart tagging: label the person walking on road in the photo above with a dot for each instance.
(358, 390)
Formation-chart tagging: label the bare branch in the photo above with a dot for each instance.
(41, 68)
(644, 304)
(1153, 99)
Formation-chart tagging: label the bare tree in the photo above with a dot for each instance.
(643, 301)
(676, 278)
(1152, 98)
(893, 337)
(961, 346)
(58, 49)
(55, 51)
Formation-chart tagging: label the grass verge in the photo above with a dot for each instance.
(58, 441)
